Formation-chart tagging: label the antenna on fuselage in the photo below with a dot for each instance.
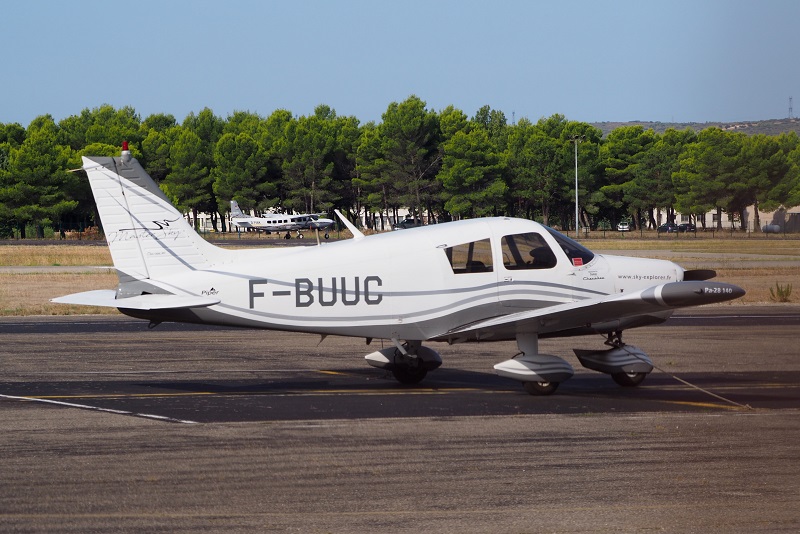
(350, 226)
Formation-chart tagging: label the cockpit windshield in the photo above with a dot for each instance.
(577, 253)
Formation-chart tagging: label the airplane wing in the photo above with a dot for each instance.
(605, 310)
(107, 298)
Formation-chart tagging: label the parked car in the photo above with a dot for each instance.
(623, 226)
(406, 223)
(687, 227)
(669, 228)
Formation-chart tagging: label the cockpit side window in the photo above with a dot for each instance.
(527, 251)
(474, 257)
(578, 254)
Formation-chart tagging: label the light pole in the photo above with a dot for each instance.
(577, 139)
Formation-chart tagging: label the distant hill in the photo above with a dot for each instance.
(768, 127)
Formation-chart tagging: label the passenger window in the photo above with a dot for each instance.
(527, 251)
(474, 257)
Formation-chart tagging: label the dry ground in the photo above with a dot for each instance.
(756, 264)
(54, 255)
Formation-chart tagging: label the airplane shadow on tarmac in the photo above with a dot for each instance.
(359, 393)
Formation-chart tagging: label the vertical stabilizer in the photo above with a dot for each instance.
(236, 211)
(147, 236)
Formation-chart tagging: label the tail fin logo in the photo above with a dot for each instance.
(160, 231)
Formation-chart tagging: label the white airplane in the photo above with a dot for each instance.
(474, 280)
(278, 222)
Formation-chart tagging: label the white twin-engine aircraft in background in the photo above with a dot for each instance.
(278, 222)
(473, 280)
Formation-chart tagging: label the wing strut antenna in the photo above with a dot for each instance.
(350, 226)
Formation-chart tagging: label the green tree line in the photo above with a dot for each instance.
(440, 165)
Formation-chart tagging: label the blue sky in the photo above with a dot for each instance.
(591, 60)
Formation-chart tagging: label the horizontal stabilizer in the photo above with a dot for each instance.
(107, 298)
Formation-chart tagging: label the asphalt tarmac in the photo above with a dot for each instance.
(108, 426)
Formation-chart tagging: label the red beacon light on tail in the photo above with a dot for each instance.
(126, 154)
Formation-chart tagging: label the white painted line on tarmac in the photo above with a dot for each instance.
(99, 409)
(167, 372)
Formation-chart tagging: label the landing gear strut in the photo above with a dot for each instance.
(614, 339)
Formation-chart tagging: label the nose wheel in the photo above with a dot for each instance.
(540, 388)
(628, 380)
(628, 365)
(406, 374)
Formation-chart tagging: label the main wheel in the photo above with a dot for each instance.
(540, 388)
(409, 375)
(628, 380)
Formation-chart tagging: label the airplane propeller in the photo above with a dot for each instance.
(699, 275)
